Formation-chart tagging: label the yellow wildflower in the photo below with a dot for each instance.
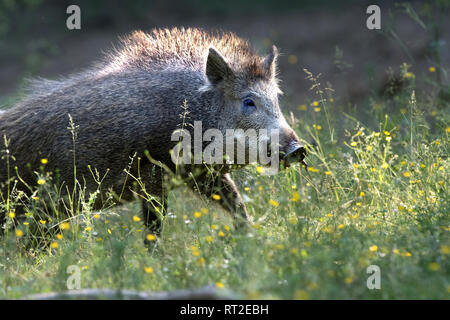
(445, 249)
(197, 214)
(201, 261)
(65, 226)
(273, 203)
(434, 266)
(260, 169)
(148, 270)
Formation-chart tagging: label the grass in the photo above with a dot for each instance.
(375, 193)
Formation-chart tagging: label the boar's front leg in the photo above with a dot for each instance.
(230, 199)
(152, 210)
(155, 206)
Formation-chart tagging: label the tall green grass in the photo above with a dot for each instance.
(375, 193)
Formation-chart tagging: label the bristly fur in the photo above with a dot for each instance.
(162, 49)
(183, 48)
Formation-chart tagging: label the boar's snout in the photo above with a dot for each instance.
(295, 153)
(292, 150)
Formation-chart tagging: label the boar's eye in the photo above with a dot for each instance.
(248, 105)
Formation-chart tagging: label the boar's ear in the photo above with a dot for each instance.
(217, 69)
(270, 63)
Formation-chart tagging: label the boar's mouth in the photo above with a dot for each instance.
(295, 153)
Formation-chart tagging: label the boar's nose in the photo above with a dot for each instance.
(295, 153)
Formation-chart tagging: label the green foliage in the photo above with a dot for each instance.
(372, 195)
(375, 193)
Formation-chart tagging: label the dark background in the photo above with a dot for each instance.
(327, 37)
